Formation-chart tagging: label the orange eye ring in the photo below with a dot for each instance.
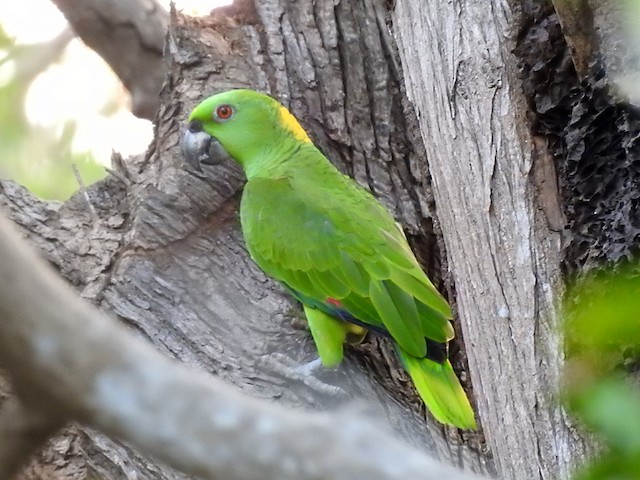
(224, 112)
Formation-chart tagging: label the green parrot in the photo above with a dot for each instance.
(330, 243)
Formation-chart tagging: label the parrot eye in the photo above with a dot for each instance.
(224, 112)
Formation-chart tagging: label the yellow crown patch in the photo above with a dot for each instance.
(290, 123)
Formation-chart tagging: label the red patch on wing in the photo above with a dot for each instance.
(334, 302)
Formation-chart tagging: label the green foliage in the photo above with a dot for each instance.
(606, 310)
(36, 157)
(603, 326)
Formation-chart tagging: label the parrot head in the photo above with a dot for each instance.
(243, 125)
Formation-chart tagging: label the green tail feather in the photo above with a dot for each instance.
(440, 390)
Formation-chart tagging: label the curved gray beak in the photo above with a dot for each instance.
(199, 148)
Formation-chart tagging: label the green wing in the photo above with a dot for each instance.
(332, 240)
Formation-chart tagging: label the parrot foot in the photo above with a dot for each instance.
(289, 368)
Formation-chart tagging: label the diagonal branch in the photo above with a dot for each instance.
(129, 35)
(90, 369)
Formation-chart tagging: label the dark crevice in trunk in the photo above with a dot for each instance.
(594, 140)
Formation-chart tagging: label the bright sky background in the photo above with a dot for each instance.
(82, 84)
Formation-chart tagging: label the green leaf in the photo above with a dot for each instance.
(611, 407)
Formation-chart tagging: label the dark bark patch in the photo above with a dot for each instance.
(593, 139)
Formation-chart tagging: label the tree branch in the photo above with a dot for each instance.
(577, 27)
(129, 35)
(89, 368)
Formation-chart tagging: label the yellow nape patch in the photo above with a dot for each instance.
(290, 123)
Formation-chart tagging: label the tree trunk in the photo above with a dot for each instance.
(468, 166)
(502, 224)
(166, 255)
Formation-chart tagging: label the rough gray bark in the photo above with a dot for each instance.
(490, 181)
(129, 35)
(63, 369)
(576, 19)
(167, 255)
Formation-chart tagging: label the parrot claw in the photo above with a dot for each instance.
(290, 369)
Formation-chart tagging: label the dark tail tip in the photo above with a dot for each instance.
(436, 351)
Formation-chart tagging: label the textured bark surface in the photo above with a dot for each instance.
(498, 203)
(62, 369)
(167, 257)
(505, 118)
(590, 130)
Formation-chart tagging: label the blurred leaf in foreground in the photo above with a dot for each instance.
(37, 157)
(603, 334)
